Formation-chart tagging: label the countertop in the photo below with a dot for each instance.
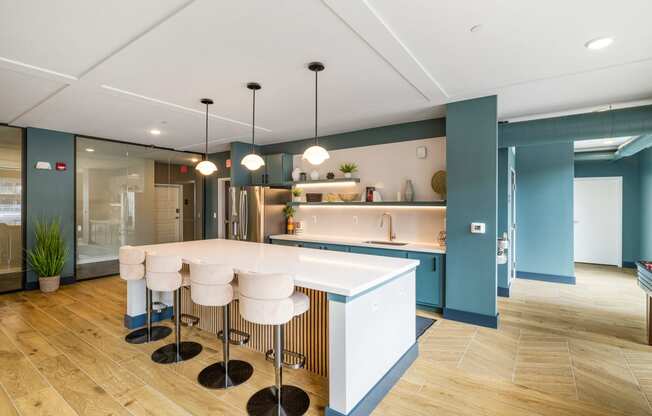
(345, 274)
(350, 241)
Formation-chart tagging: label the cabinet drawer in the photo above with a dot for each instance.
(378, 252)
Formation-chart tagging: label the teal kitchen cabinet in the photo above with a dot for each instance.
(429, 279)
(288, 243)
(378, 251)
(277, 170)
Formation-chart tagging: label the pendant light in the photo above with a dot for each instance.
(206, 167)
(316, 154)
(253, 161)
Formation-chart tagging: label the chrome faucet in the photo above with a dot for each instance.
(390, 229)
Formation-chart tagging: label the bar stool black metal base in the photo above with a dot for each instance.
(214, 376)
(294, 402)
(167, 354)
(139, 336)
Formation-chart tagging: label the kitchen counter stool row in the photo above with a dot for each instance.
(266, 299)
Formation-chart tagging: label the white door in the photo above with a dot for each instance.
(598, 220)
(168, 213)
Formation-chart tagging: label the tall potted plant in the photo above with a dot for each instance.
(49, 254)
(289, 212)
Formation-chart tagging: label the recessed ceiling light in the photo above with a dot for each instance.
(475, 28)
(90, 149)
(155, 132)
(599, 43)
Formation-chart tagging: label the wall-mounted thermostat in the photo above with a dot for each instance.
(478, 227)
(43, 166)
(422, 152)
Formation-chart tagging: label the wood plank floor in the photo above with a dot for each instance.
(561, 350)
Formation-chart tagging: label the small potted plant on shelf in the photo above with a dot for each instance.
(289, 212)
(348, 169)
(296, 194)
(48, 255)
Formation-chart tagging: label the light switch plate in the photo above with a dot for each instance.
(422, 152)
(478, 227)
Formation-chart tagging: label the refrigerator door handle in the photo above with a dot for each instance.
(244, 215)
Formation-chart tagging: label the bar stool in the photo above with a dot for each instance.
(211, 285)
(132, 268)
(270, 299)
(162, 274)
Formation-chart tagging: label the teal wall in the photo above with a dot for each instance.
(506, 161)
(240, 176)
(211, 196)
(627, 168)
(544, 210)
(471, 160)
(50, 193)
(379, 135)
(646, 204)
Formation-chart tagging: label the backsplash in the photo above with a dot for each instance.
(390, 164)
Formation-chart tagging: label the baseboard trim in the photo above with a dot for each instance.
(503, 292)
(384, 385)
(137, 321)
(488, 321)
(553, 278)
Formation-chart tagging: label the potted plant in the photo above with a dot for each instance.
(49, 254)
(348, 169)
(289, 212)
(296, 194)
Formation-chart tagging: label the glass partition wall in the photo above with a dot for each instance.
(132, 195)
(11, 209)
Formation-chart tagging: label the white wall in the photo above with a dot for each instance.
(390, 164)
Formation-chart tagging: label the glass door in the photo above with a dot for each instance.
(11, 209)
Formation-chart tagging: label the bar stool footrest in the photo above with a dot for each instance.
(296, 360)
(189, 320)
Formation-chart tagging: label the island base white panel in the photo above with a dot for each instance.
(368, 335)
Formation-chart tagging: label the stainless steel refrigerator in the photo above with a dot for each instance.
(255, 212)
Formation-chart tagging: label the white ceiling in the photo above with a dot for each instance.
(117, 69)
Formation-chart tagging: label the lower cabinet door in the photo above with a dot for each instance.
(335, 247)
(312, 245)
(378, 251)
(288, 243)
(429, 279)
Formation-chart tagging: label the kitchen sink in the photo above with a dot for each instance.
(387, 243)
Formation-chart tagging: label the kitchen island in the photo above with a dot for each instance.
(368, 314)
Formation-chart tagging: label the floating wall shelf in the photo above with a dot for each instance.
(320, 182)
(414, 204)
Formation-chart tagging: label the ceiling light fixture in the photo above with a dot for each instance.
(598, 43)
(252, 161)
(90, 149)
(316, 154)
(155, 132)
(206, 167)
(475, 28)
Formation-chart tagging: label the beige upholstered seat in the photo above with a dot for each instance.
(270, 299)
(210, 284)
(162, 272)
(131, 261)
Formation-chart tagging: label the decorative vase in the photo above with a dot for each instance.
(348, 175)
(409, 191)
(303, 177)
(314, 175)
(330, 175)
(49, 284)
(290, 225)
(296, 174)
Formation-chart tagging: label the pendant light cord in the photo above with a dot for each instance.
(316, 113)
(206, 149)
(253, 124)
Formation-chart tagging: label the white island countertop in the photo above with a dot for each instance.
(360, 242)
(344, 274)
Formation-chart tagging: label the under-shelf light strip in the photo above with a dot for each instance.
(325, 184)
(385, 207)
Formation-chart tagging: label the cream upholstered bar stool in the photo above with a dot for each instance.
(162, 274)
(270, 299)
(132, 267)
(212, 285)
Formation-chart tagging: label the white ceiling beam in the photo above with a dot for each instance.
(369, 26)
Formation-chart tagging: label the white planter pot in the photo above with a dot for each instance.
(348, 175)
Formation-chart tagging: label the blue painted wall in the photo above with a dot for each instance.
(50, 193)
(472, 163)
(544, 209)
(646, 204)
(506, 161)
(629, 169)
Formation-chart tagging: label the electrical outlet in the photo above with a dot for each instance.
(355, 220)
(314, 219)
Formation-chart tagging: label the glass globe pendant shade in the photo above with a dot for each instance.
(315, 155)
(206, 167)
(253, 161)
